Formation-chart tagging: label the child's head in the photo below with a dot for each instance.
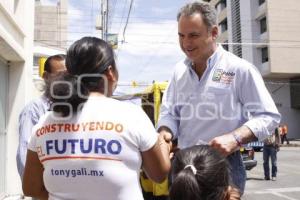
(199, 173)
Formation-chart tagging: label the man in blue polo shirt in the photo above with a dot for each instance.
(33, 111)
(214, 96)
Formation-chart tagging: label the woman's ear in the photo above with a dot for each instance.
(232, 193)
(227, 193)
(111, 74)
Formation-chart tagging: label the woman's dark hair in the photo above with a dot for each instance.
(209, 180)
(87, 59)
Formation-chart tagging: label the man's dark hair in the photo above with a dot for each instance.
(58, 57)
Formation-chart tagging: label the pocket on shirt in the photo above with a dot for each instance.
(218, 90)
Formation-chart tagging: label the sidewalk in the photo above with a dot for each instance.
(293, 143)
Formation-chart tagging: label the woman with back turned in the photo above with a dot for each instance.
(92, 146)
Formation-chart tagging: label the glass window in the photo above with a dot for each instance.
(261, 2)
(3, 105)
(263, 25)
(264, 55)
(36, 60)
(225, 45)
(221, 5)
(223, 25)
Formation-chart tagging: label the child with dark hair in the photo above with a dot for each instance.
(201, 173)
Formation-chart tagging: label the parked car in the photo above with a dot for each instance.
(247, 153)
(257, 145)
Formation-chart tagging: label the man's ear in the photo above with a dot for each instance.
(45, 75)
(214, 32)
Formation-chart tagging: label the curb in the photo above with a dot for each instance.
(290, 145)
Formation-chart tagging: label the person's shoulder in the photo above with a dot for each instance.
(36, 105)
(181, 67)
(237, 62)
(123, 105)
(239, 65)
(48, 118)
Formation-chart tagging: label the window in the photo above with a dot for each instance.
(263, 25)
(221, 5)
(264, 55)
(223, 25)
(225, 45)
(261, 2)
(36, 60)
(3, 105)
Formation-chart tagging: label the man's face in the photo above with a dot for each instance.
(57, 66)
(196, 41)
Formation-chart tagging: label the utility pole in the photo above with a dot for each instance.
(104, 19)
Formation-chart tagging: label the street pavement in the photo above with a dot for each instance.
(287, 185)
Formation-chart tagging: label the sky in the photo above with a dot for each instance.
(150, 48)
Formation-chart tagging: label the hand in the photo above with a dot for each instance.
(162, 141)
(225, 144)
(233, 193)
(166, 135)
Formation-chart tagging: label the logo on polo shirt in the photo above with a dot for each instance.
(222, 76)
(217, 75)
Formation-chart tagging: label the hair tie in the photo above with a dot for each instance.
(193, 168)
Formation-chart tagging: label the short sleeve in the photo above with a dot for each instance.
(143, 130)
(32, 141)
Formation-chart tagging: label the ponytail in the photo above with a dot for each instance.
(199, 172)
(185, 186)
(66, 94)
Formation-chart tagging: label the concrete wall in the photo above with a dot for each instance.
(284, 31)
(280, 91)
(16, 37)
(51, 24)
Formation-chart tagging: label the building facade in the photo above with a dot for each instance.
(16, 46)
(50, 35)
(51, 24)
(266, 33)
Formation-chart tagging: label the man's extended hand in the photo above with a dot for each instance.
(225, 144)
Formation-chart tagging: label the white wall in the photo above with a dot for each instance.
(16, 33)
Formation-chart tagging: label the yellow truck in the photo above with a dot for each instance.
(150, 101)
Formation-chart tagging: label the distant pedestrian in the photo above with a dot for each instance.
(283, 135)
(270, 149)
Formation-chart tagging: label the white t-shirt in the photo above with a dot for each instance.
(96, 153)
